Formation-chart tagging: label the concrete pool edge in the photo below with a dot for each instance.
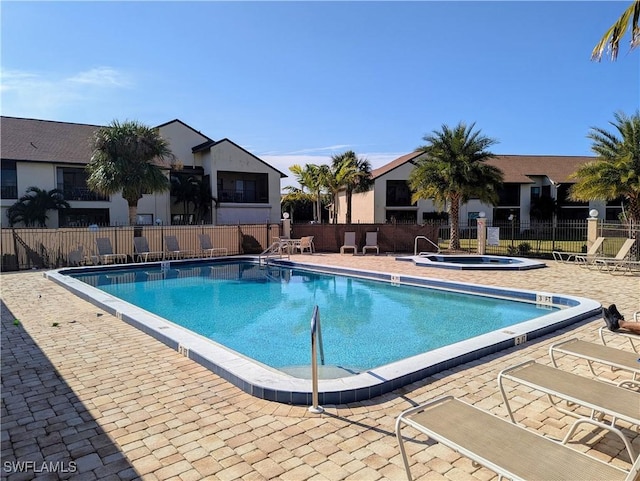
(517, 264)
(271, 384)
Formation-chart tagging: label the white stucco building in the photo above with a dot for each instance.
(527, 178)
(50, 154)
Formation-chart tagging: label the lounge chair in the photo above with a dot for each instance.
(173, 248)
(612, 263)
(601, 398)
(105, 252)
(305, 243)
(371, 243)
(76, 257)
(560, 256)
(598, 354)
(349, 243)
(507, 449)
(207, 246)
(142, 252)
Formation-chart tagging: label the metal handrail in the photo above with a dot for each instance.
(316, 339)
(415, 244)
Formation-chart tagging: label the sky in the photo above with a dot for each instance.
(296, 82)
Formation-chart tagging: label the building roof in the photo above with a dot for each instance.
(394, 164)
(520, 168)
(45, 140)
(213, 144)
(515, 168)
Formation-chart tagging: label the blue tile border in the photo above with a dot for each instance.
(273, 385)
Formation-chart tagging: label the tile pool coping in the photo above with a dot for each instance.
(268, 383)
(519, 264)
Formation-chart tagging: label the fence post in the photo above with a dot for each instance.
(482, 234)
(592, 227)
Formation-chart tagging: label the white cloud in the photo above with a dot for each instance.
(101, 77)
(38, 95)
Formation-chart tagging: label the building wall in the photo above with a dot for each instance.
(182, 139)
(225, 156)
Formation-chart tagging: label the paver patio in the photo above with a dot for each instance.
(94, 398)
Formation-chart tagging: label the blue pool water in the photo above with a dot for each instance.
(264, 313)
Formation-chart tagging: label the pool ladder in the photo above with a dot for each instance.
(415, 245)
(275, 249)
(316, 342)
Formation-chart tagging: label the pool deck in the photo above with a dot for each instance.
(105, 401)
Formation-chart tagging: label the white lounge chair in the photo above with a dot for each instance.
(597, 354)
(599, 397)
(207, 246)
(142, 251)
(105, 252)
(560, 256)
(173, 248)
(371, 243)
(349, 243)
(612, 263)
(507, 449)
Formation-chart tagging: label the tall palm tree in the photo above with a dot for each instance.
(357, 178)
(455, 170)
(127, 158)
(310, 176)
(32, 207)
(612, 37)
(333, 179)
(616, 171)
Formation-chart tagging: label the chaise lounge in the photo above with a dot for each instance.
(505, 448)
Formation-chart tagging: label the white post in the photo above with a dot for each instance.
(482, 234)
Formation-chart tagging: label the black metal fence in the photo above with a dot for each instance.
(540, 239)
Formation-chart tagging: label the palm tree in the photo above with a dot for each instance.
(183, 191)
(356, 179)
(311, 177)
(454, 170)
(333, 179)
(296, 198)
(202, 199)
(616, 171)
(127, 157)
(32, 207)
(627, 21)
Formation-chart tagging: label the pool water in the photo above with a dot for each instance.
(264, 312)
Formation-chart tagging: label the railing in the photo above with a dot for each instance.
(415, 245)
(71, 192)
(316, 341)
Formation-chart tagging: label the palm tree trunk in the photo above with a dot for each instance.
(349, 199)
(454, 214)
(133, 213)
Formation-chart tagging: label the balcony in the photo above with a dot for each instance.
(241, 196)
(71, 192)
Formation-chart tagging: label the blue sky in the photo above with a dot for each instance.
(296, 82)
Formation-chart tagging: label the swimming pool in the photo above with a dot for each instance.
(473, 262)
(297, 288)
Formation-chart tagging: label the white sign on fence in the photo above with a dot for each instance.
(493, 236)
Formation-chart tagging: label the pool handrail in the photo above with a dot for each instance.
(415, 245)
(316, 339)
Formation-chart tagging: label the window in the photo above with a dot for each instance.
(509, 195)
(398, 193)
(72, 181)
(9, 176)
(243, 187)
(83, 217)
(144, 219)
(535, 193)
